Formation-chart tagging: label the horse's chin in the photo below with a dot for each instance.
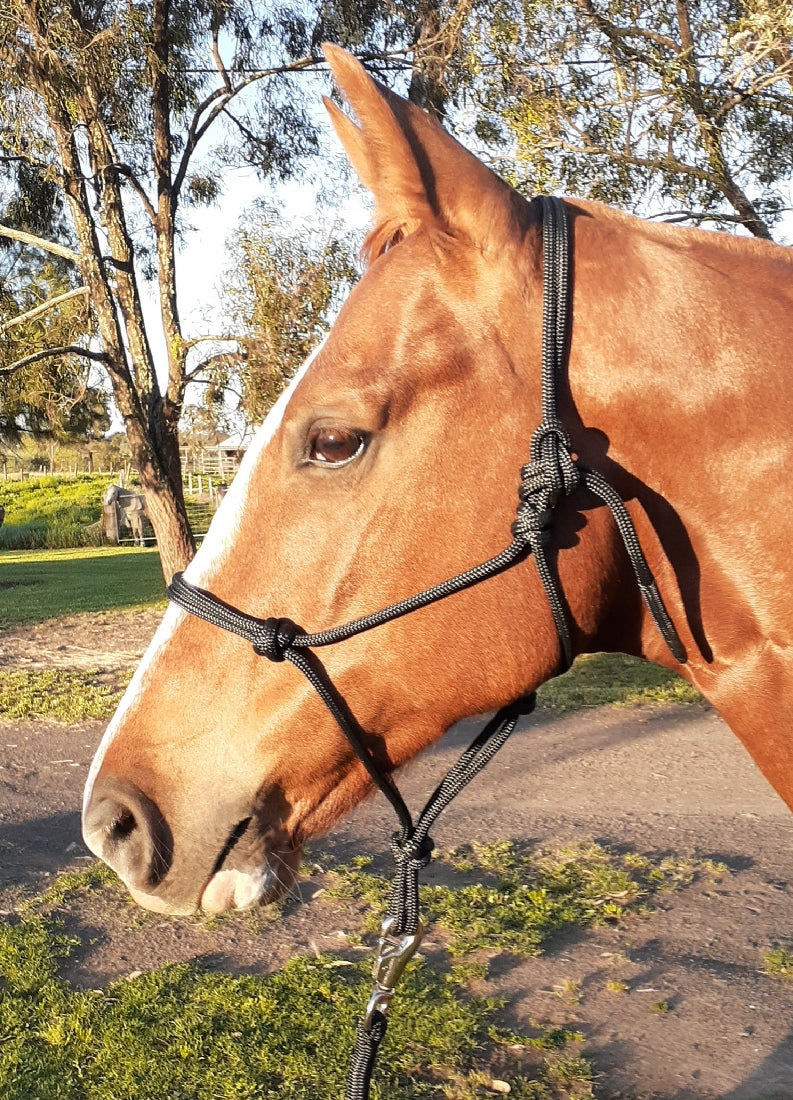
(232, 889)
(156, 904)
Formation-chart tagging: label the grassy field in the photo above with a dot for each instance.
(60, 512)
(51, 511)
(187, 1033)
(40, 585)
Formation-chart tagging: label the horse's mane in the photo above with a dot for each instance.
(692, 236)
(390, 231)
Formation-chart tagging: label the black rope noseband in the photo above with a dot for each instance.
(551, 473)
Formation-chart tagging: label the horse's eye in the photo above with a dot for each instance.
(334, 446)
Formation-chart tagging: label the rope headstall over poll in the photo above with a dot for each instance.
(551, 473)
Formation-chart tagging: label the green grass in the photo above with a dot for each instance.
(66, 695)
(778, 963)
(519, 899)
(186, 1033)
(599, 679)
(51, 511)
(40, 585)
(64, 511)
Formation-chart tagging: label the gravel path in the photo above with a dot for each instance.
(653, 779)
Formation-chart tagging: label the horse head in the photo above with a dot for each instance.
(391, 463)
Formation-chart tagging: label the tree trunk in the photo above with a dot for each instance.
(165, 501)
(151, 422)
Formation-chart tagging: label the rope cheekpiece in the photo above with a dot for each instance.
(551, 473)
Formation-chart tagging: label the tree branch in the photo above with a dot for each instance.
(53, 353)
(672, 216)
(39, 242)
(224, 76)
(125, 171)
(198, 128)
(205, 364)
(195, 340)
(58, 300)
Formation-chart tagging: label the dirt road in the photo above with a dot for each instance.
(657, 780)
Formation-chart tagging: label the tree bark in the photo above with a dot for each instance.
(164, 501)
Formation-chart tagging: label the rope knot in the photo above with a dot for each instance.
(274, 637)
(549, 475)
(411, 853)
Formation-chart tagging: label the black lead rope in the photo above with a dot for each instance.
(551, 473)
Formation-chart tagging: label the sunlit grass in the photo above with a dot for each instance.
(46, 584)
(66, 695)
(518, 899)
(599, 679)
(778, 963)
(52, 511)
(187, 1033)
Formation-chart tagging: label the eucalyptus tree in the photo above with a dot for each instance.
(281, 293)
(134, 109)
(678, 107)
(41, 394)
(42, 308)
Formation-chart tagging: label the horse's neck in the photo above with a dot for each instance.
(682, 394)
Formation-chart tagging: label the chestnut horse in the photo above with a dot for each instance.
(392, 463)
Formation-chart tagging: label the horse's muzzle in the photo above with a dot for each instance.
(126, 829)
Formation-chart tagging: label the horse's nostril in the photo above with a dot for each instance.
(121, 825)
(126, 829)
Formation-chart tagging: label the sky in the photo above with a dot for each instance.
(204, 256)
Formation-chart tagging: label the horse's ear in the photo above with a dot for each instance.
(417, 172)
(378, 151)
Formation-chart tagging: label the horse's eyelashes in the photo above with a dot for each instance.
(334, 445)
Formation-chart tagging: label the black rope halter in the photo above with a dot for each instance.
(551, 473)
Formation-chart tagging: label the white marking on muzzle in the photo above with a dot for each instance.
(218, 541)
(236, 889)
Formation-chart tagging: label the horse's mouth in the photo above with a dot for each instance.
(231, 889)
(227, 889)
(250, 870)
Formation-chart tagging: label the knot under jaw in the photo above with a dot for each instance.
(274, 637)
